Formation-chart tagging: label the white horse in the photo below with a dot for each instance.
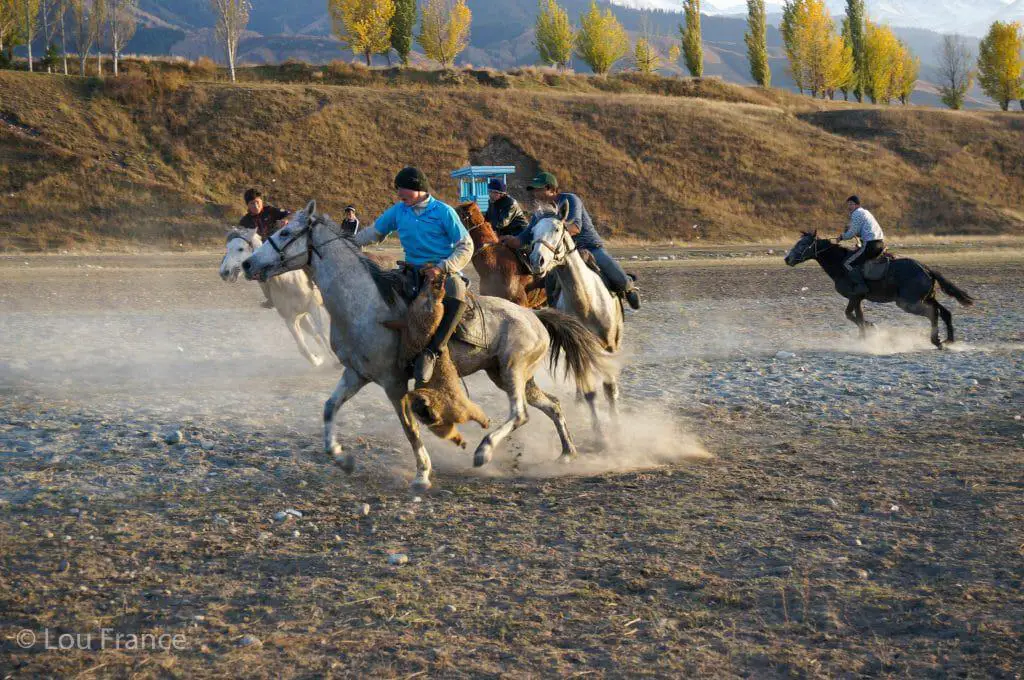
(583, 295)
(360, 298)
(294, 296)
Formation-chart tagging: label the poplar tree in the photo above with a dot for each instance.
(756, 39)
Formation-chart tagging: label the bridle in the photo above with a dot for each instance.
(816, 252)
(311, 248)
(560, 252)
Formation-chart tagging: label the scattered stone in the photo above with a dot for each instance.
(282, 516)
(784, 355)
(829, 502)
(221, 520)
(784, 570)
(894, 508)
(362, 510)
(63, 566)
(398, 559)
(417, 499)
(250, 641)
(47, 534)
(296, 534)
(294, 513)
(862, 574)
(337, 538)
(450, 608)
(173, 437)
(857, 542)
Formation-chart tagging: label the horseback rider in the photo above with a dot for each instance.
(265, 219)
(544, 188)
(504, 212)
(350, 225)
(862, 224)
(435, 243)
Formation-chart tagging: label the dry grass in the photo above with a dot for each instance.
(92, 166)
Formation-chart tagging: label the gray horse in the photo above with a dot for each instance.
(583, 295)
(295, 298)
(908, 283)
(359, 297)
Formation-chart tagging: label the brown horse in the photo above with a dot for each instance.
(501, 272)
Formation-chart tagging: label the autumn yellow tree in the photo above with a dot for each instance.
(819, 59)
(882, 55)
(645, 56)
(363, 25)
(907, 68)
(840, 73)
(444, 30)
(555, 35)
(602, 40)
(999, 63)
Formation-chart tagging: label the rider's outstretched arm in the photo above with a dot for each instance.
(368, 236)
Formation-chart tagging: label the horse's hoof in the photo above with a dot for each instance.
(346, 463)
(566, 458)
(420, 485)
(483, 455)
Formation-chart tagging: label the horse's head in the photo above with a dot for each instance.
(287, 249)
(551, 240)
(240, 244)
(473, 220)
(804, 249)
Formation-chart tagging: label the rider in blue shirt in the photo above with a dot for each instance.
(544, 188)
(435, 242)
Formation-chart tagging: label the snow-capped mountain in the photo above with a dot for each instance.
(969, 17)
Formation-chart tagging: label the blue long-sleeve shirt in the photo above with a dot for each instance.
(587, 239)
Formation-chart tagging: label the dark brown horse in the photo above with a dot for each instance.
(501, 272)
(909, 283)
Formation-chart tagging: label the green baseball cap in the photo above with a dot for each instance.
(544, 179)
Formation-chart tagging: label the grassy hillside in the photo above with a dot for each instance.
(164, 161)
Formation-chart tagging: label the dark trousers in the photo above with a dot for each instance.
(867, 251)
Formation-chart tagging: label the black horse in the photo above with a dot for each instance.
(907, 282)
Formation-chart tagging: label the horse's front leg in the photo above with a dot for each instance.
(321, 330)
(400, 400)
(854, 314)
(349, 384)
(611, 392)
(295, 328)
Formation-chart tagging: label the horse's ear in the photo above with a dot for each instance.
(310, 210)
(563, 211)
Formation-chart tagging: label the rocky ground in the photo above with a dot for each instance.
(781, 499)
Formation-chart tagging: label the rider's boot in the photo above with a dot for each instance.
(859, 285)
(633, 296)
(424, 367)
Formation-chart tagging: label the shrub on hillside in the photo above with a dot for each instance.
(131, 89)
(204, 69)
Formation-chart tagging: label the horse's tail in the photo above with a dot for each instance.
(951, 290)
(584, 354)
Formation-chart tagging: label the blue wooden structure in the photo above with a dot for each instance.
(473, 182)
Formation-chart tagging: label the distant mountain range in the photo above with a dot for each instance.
(501, 36)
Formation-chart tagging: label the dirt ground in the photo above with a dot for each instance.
(781, 498)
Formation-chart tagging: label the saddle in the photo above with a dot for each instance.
(877, 268)
(405, 282)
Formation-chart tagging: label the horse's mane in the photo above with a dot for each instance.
(240, 232)
(545, 212)
(387, 282)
